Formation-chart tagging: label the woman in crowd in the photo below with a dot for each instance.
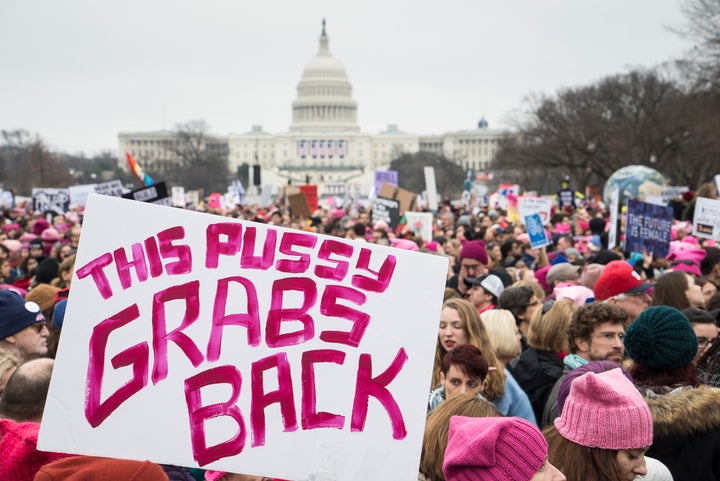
(463, 371)
(436, 430)
(604, 430)
(707, 287)
(503, 333)
(522, 301)
(662, 345)
(677, 289)
(8, 364)
(460, 324)
(539, 367)
(497, 449)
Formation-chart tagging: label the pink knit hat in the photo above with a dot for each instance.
(21, 458)
(493, 449)
(606, 411)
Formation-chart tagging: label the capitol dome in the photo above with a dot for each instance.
(324, 95)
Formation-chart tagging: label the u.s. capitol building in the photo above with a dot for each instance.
(324, 144)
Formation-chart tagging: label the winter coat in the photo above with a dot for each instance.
(686, 433)
(536, 372)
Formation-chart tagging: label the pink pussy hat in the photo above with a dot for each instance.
(606, 411)
(493, 449)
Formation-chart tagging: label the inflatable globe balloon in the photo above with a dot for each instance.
(635, 181)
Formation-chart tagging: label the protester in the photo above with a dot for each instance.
(22, 327)
(705, 328)
(497, 449)
(463, 371)
(538, 367)
(522, 302)
(595, 333)
(460, 324)
(503, 334)
(677, 289)
(88, 468)
(438, 424)
(483, 291)
(619, 284)
(662, 345)
(604, 430)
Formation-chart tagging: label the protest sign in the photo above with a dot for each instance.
(614, 210)
(299, 204)
(387, 210)
(79, 193)
(196, 340)
(178, 196)
(648, 227)
(536, 231)
(535, 205)
(382, 176)
(7, 199)
(56, 201)
(421, 223)
(155, 194)
(431, 188)
(113, 188)
(706, 219)
(670, 193)
(406, 198)
(311, 194)
(503, 190)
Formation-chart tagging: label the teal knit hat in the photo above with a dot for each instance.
(661, 338)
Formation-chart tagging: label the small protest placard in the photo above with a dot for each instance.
(421, 223)
(79, 193)
(536, 231)
(311, 194)
(385, 176)
(231, 345)
(155, 194)
(431, 188)
(406, 198)
(706, 219)
(535, 205)
(387, 210)
(648, 227)
(56, 201)
(113, 188)
(614, 211)
(670, 193)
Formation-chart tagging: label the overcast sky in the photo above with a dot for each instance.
(77, 72)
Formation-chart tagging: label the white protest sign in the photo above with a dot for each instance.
(431, 188)
(614, 211)
(197, 340)
(670, 193)
(79, 193)
(178, 196)
(421, 223)
(114, 188)
(706, 219)
(535, 205)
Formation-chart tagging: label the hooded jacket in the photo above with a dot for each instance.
(686, 433)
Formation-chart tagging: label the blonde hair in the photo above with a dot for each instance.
(494, 386)
(438, 425)
(8, 362)
(502, 332)
(536, 288)
(548, 332)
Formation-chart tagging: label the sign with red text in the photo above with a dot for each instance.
(197, 340)
(535, 205)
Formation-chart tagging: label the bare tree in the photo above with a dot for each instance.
(589, 132)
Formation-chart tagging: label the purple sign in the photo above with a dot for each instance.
(648, 227)
(389, 176)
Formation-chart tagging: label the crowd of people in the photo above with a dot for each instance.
(571, 361)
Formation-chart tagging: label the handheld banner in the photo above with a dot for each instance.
(536, 231)
(387, 210)
(381, 176)
(706, 219)
(155, 194)
(113, 188)
(421, 223)
(78, 193)
(648, 227)
(535, 205)
(197, 340)
(431, 188)
(614, 218)
(56, 201)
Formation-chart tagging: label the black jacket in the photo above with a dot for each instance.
(536, 372)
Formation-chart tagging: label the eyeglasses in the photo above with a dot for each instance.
(38, 326)
(702, 342)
